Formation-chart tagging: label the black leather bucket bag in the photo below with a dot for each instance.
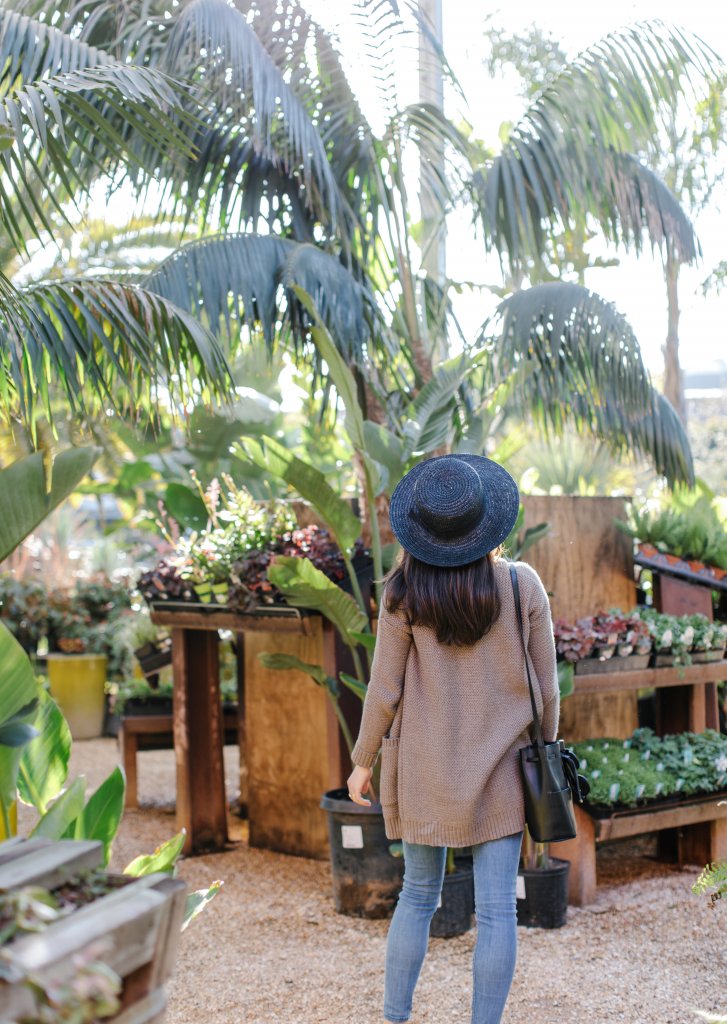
(549, 770)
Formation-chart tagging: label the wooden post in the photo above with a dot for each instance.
(198, 735)
(581, 852)
(333, 729)
(241, 722)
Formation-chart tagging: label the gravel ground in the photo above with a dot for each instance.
(271, 948)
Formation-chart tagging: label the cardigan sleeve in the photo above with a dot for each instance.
(541, 647)
(393, 641)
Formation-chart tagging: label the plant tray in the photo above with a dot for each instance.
(674, 799)
(672, 565)
(668, 661)
(701, 657)
(594, 666)
(280, 611)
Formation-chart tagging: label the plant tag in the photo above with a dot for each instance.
(440, 902)
(352, 837)
(520, 887)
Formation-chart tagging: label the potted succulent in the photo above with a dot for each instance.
(673, 637)
(709, 639)
(138, 697)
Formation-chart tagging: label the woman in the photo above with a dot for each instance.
(448, 707)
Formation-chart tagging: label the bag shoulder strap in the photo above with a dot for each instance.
(518, 612)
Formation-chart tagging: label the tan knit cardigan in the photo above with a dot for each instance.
(449, 721)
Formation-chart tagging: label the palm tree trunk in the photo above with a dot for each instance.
(673, 378)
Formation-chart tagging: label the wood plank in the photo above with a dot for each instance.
(241, 723)
(51, 864)
(636, 824)
(287, 737)
(19, 846)
(126, 921)
(149, 1010)
(586, 564)
(234, 621)
(687, 676)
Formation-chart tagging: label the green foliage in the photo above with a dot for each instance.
(18, 697)
(64, 810)
(32, 487)
(310, 484)
(304, 586)
(712, 881)
(163, 859)
(688, 525)
(648, 767)
(44, 762)
(101, 816)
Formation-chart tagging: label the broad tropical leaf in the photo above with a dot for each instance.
(289, 662)
(304, 586)
(64, 810)
(310, 484)
(44, 762)
(186, 506)
(18, 694)
(32, 487)
(163, 859)
(101, 816)
(430, 425)
(198, 900)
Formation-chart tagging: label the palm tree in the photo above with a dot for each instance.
(283, 148)
(69, 115)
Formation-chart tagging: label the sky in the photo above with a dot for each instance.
(636, 286)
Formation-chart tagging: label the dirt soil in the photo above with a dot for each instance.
(271, 949)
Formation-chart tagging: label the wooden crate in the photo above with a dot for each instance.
(138, 926)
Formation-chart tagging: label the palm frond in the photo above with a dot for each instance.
(588, 371)
(105, 346)
(569, 154)
(80, 116)
(247, 93)
(249, 279)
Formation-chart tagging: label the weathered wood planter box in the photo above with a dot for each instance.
(596, 666)
(137, 924)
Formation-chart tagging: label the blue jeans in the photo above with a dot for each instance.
(493, 965)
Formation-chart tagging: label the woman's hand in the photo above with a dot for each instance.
(359, 781)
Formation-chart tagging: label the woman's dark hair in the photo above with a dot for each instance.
(460, 603)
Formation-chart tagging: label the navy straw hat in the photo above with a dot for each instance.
(453, 509)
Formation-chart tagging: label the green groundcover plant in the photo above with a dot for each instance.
(648, 767)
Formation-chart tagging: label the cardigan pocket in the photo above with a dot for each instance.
(389, 778)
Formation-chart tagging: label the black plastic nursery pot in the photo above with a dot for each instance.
(367, 877)
(545, 904)
(454, 915)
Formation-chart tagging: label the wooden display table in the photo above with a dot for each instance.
(289, 736)
(701, 821)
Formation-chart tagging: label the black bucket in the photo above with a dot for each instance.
(546, 896)
(367, 878)
(454, 916)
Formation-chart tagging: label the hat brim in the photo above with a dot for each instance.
(502, 503)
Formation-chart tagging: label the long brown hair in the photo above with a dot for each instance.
(460, 603)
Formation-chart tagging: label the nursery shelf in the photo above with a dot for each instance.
(686, 675)
(637, 820)
(671, 565)
(185, 615)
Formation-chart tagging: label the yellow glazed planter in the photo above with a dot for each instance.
(77, 683)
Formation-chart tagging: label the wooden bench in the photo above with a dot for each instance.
(156, 732)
